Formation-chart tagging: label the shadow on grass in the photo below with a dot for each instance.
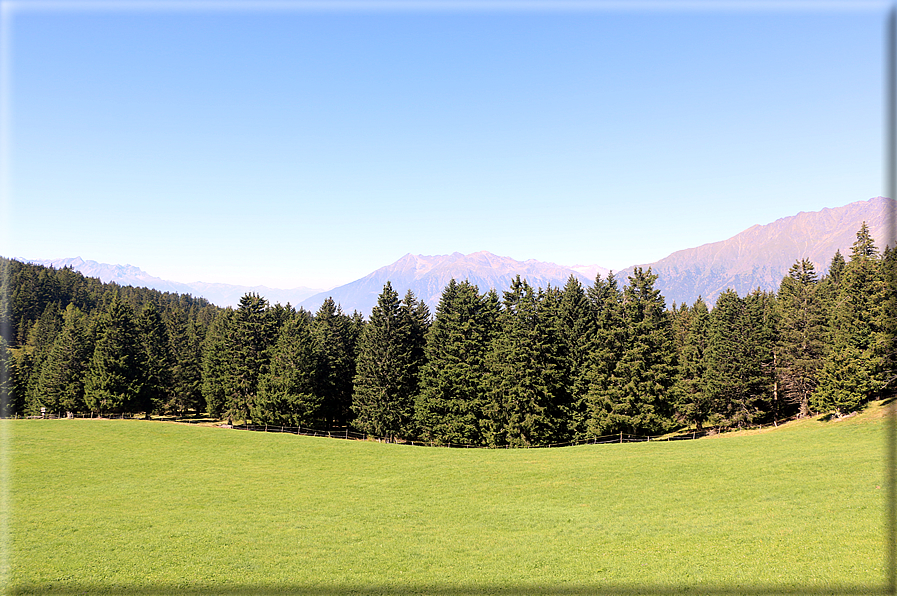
(451, 590)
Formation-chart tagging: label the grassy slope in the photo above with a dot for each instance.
(145, 507)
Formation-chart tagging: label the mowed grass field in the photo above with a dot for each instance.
(139, 507)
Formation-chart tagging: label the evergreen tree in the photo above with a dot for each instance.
(335, 339)
(525, 388)
(802, 337)
(740, 357)
(217, 364)
(852, 370)
(889, 321)
(253, 333)
(645, 372)
(449, 405)
(385, 380)
(186, 370)
(115, 373)
(9, 402)
(61, 381)
(157, 360)
(693, 400)
(836, 268)
(38, 343)
(604, 354)
(576, 329)
(286, 390)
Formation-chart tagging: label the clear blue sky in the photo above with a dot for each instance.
(293, 146)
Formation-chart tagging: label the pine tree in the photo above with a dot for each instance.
(115, 374)
(740, 357)
(286, 390)
(889, 321)
(852, 369)
(803, 333)
(335, 339)
(186, 370)
(157, 360)
(217, 361)
(253, 333)
(604, 354)
(383, 401)
(576, 329)
(693, 401)
(525, 388)
(61, 381)
(448, 408)
(645, 372)
(38, 343)
(9, 402)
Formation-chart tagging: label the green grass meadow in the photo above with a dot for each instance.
(140, 507)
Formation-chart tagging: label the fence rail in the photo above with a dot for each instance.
(602, 440)
(349, 434)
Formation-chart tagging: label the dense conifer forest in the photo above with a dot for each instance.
(532, 366)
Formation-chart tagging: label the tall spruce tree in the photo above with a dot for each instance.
(155, 391)
(576, 330)
(385, 380)
(851, 372)
(115, 373)
(253, 334)
(9, 402)
(803, 331)
(449, 404)
(61, 382)
(186, 370)
(217, 360)
(286, 392)
(646, 370)
(605, 352)
(693, 400)
(740, 357)
(524, 379)
(335, 338)
(889, 321)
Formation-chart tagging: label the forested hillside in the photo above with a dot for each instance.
(533, 366)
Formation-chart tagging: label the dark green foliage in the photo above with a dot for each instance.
(252, 332)
(576, 333)
(286, 393)
(386, 379)
(740, 357)
(637, 395)
(693, 400)
(185, 347)
(158, 361)
(115, 374)
(449, 404)
(61, 380)
(889, 320)
(802, 335)
(606, 350)
(852, 371)
(216, 364)
(335, 337)
(9, 401)
(525, 389)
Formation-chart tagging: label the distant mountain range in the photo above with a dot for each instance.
(761, 256)
(220, 294)
(427, 276)
(758, 257)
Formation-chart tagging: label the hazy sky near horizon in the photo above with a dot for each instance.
(294, 145)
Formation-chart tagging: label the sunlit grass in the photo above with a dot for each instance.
(151, 507)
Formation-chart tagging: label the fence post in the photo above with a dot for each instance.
(621, 436)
